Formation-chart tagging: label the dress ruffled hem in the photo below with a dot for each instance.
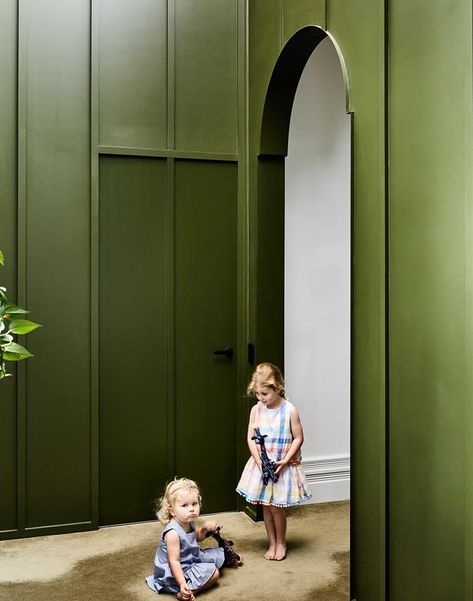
(275, 504)
(196, 574)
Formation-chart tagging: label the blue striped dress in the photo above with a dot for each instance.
(292, 487)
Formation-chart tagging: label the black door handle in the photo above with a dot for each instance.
(227, 352)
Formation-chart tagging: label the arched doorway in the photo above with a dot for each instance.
(274, 316)
(317, 271)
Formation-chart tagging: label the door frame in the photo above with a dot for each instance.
(269, 330)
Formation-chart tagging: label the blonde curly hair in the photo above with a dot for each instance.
(173, 489)
(267, 375)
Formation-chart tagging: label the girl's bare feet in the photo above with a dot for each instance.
(280, 552)
(271, 552)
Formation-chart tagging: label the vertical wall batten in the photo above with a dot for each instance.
(242, 230)
(386, 537)
(8, 245)
(171, 83)
(94, 259)
(21, 261)
(169, 287)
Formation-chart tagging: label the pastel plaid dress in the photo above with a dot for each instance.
(291, 488)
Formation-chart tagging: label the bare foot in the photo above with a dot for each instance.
(181, 598)
(270, 553)
(280, 553)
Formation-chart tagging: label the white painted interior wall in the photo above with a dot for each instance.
(317, 267)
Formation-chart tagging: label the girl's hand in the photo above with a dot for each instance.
(186, 592)
(209, 527)
(281, 465)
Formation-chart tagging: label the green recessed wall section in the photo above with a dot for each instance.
(132, 72)
(136, 188)
(205, 75)
(54, 224)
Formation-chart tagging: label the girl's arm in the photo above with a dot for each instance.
(203, 531)
(298, 439)
(251, 443)
(174, 556)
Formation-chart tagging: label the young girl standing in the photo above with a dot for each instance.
(180, 565)
(278, 419)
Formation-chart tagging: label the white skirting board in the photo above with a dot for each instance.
(328, 478)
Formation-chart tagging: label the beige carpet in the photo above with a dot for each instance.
(111, 563)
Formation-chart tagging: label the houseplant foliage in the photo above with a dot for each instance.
(12, 321)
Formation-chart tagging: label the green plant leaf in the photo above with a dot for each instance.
(15, 352)
(23, 326)
(2, 258)
(5, 339)
(14, 310)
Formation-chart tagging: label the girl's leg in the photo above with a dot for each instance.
(212, 580)
(279, 520)
(270, 531)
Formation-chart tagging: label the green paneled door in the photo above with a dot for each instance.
(133, 399)
(205, 321)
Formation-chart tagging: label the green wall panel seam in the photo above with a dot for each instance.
(242, 240)
(282, 33)
(469, 318)
(94, 260)
(385, 588)
(167, 153)
(22, 200)
(171, 80)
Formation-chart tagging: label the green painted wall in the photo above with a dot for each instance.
(92, 92)
(431, 338)
(102, 82)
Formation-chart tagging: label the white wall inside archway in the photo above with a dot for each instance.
(317, 268)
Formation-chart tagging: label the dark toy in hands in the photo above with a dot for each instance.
(268, 466)
(231, 558)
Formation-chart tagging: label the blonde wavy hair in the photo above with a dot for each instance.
(267, 375)
(173, 489)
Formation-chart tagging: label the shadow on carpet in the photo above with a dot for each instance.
(77, 567)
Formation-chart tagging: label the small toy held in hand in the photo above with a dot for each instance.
(268, 466)
(232, 559)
